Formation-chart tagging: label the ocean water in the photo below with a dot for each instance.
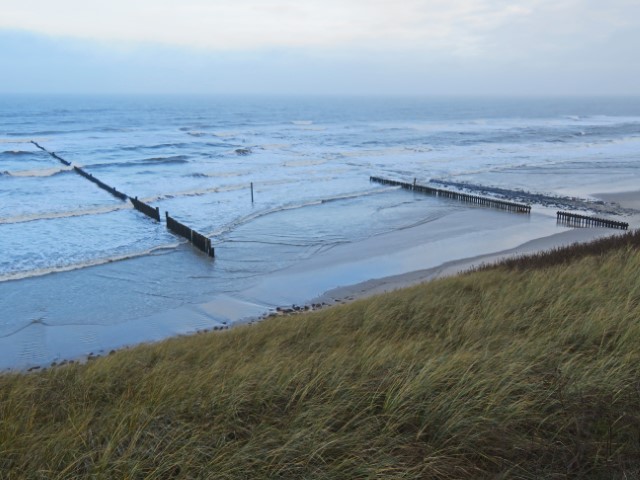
(68, 249)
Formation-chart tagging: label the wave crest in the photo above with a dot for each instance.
(42, 172)
(17, 153)
(67, 214)
(89, 263)
(174, 159)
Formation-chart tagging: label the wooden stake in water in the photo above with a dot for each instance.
(251, 192)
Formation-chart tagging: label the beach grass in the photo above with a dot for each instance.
(529, 369)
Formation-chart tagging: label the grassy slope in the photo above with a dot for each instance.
(518, 371)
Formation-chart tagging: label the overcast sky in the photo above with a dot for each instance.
(320, 46)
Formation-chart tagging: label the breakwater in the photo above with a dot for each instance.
(145, 208)
(101, 184)
(53, 154)
(559, 202)
(198, 240)
(113, 191)
(462, 197)
(576, 220)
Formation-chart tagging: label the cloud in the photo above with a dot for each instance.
(313, 46)
(40, 64)
(458, 25)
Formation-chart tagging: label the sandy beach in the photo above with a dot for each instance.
(83, 273)
(628, 199)
(456, 243)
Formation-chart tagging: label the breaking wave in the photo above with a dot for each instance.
(17, 153)
(172, 160)
(85, 264)
(68, 214)
(44, 172)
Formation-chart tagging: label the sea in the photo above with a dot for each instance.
(70, 253)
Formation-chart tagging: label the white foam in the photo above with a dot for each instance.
(42, 172)
(85, 264)
(66, 214)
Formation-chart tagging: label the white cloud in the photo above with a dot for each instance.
(502, 30)
(254, 24)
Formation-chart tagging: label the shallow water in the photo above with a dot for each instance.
(309, 160)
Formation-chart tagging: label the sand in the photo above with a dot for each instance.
(388, 284)
(629, 199)
(468, 238)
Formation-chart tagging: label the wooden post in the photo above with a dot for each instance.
(251, 192)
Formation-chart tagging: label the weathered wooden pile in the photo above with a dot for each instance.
(564, 218)
(463, 197)
(200, 241)
(204, 244)
(576, 220)
(197, 239)
(100, 183)
(145, 208)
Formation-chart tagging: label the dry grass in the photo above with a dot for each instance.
(560, 255)
(502, 373)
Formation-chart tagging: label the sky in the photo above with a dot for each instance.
(415, 47)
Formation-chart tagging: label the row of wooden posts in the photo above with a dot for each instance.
(200, 241)
(197, 239)
(53, 154)
(145, 208)
(463, 197)
(204, 244)
(564, 218)
(101, 184)
(576, 220)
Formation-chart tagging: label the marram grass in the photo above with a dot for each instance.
(500, 373)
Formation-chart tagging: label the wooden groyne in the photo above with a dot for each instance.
(39, 146)
(462, 197)
(145, 208)
(53, 154)
(101, 184)
(200, 241)
(575, 220)
(86, 175)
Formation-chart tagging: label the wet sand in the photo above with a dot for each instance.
(388, 284)
(398, 259)
(627, 200)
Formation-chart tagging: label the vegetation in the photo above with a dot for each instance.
(507, 372)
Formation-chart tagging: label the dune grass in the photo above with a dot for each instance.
(500, 373)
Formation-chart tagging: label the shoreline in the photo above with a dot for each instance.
(629, 199)
(456, 267)
(626, 199)
(229, 306)
(398, 259)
